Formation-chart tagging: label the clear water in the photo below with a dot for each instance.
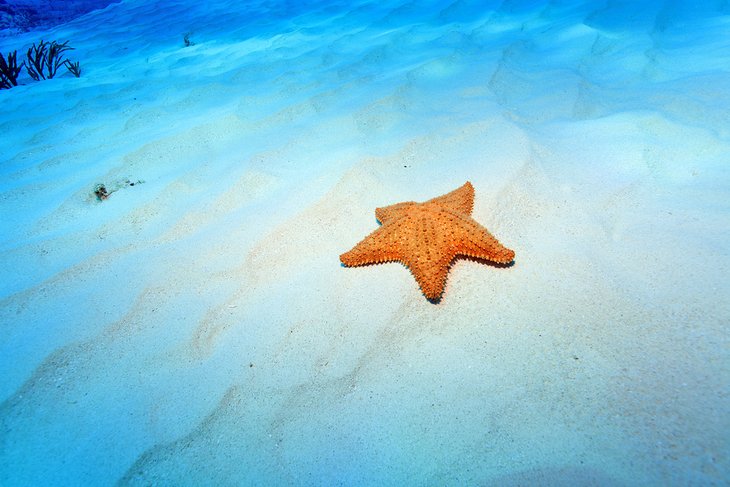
(196, 327)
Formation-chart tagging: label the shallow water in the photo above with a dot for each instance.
(197, 328)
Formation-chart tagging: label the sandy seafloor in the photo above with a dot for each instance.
(197, 328)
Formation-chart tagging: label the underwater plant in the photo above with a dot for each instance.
(45, 58)
(43, 61)
(9, 70)
(73, 68)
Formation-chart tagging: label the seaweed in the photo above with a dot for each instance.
(73, 68)
(9, 70)
(43, 61)
(45, 58)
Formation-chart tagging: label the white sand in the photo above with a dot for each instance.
(198, 329)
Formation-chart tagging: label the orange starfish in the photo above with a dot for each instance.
(427, 237)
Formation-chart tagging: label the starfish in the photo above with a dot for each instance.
(427, 237)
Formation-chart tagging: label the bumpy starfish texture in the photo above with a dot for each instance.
(426, 237)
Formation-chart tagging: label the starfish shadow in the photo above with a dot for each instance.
(479, 260)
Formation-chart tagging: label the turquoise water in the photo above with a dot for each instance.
(196, 328)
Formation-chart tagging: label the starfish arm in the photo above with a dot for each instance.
(476, 241)
(379, 246)
(460, 200)
(430, 278)
(390, 213)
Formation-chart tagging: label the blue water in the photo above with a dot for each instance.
(196, 328)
